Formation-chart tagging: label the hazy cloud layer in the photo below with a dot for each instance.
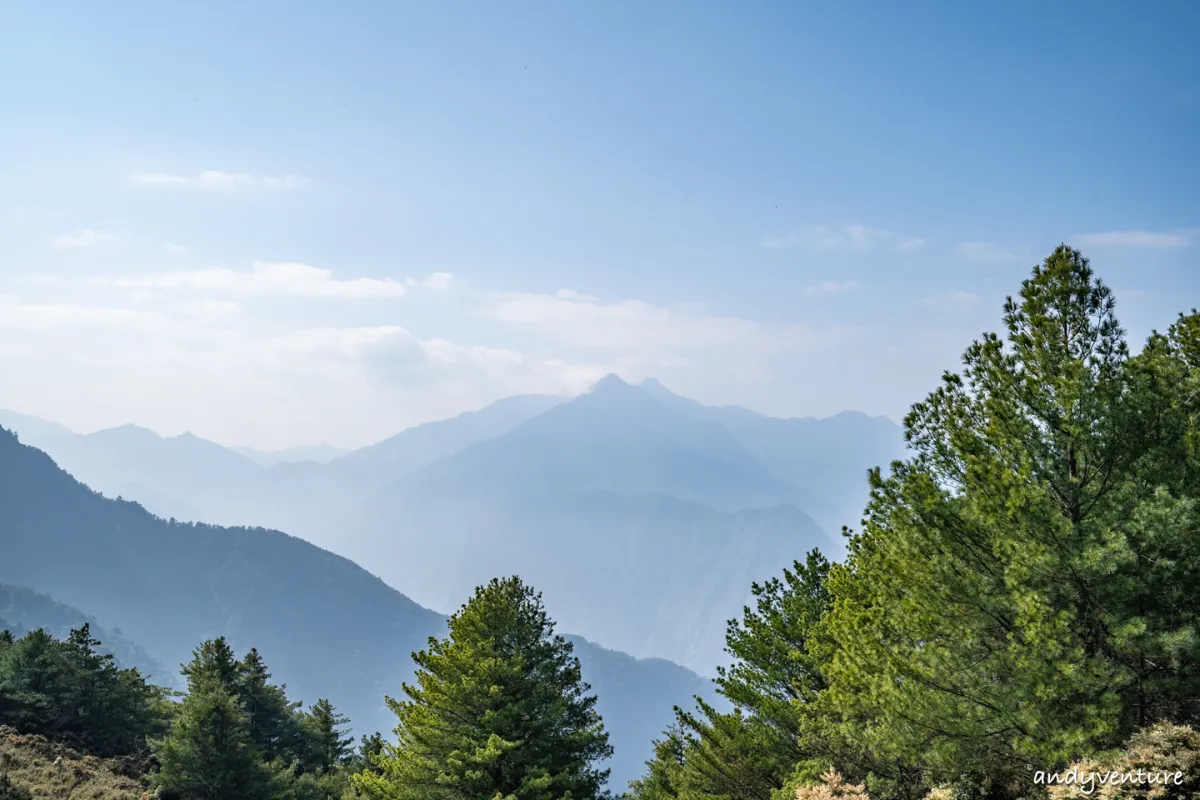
(85, 238)
(268, 278)
(284, 353)
(214, 179)
(175, 350)
(847, 239)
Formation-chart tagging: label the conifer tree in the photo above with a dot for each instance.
(209, 753)
(998, 608)
(271, 719)
(72, 692)
(751, 752)
(328, 745)
(370, 750)
(499, 711)
(212, 661)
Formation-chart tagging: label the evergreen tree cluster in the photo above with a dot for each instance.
(234, 735)
(499, 711)
(1024, 592)
(237, 735)
(66, 689)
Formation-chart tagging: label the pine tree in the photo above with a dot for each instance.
(328, 745)
(212, 661)
(370, 750)
(751, 752)
(666, 777)
(209, 753)
(996, 609)
(500, 710)
(271, 718)
(70, 691)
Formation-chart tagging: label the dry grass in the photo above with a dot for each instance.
(1160, 750)
(50, 770)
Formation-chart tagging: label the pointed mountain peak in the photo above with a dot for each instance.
(610, 383)
(655, 388)
(652, 385)
(611, 394)
(128, 430)
(676, 402)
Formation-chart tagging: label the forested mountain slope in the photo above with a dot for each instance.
(327, 627)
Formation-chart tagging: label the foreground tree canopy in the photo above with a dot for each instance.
(1024, 589)
(499, 712)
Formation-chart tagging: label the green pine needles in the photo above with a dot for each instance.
(499, 712)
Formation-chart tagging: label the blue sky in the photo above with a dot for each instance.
(279, 223)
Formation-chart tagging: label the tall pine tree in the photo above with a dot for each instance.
(272, 720)
(750, 753)
(499, 712)
(329, 747)
(209, 753)
(997, 610)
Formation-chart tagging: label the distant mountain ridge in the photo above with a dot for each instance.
(35, 429)
(587, 497)
(317, 453)
(630, 516)
(23, 610)
(327, 627)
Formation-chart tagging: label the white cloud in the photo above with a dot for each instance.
(847, 239)
(42, 280)
(633, 326)
(85, 238)
(15, 315)
(986, 252)
(266, 278)
(434, 282)
(207, 309)
(184, 355)
(1136, 238)
(218, 180)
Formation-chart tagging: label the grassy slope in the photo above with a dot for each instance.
(50, 770)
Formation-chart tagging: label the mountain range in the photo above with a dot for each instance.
(326, 627)
(23, 610)
(642, 515)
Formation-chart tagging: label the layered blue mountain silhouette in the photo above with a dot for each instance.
(327, 627)
(644, 516)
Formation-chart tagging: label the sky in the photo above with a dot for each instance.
(281, 223)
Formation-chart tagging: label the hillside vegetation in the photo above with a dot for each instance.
(46, 769)
(1024, 594)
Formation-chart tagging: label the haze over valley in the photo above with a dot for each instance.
(629, 493)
